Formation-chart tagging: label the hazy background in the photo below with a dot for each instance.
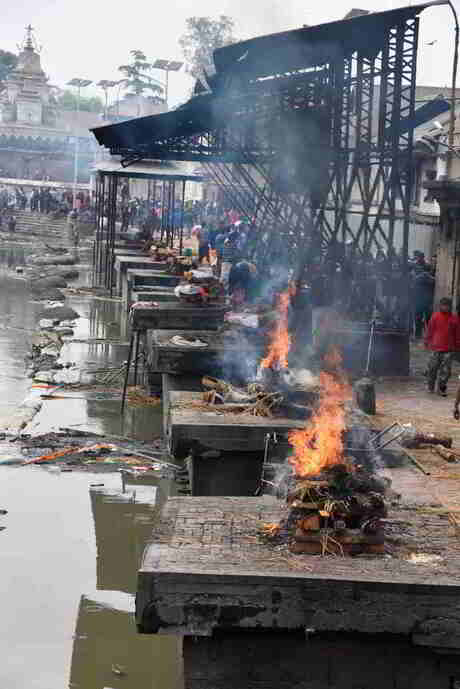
(90, 39)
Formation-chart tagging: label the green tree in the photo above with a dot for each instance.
(203, 35)
(8, 62)
(137, 78)
(67, 100)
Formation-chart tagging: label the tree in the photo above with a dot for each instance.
(203, 35)
(67, 100)
(8, 62)
(137, 79)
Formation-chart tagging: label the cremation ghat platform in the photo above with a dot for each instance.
(189, 427)
(172, 315)
(207, 569)
(123, 262)
(136, 279)
(223, 350)
(152, 294)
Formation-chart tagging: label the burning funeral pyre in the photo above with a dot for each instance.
(336, 501)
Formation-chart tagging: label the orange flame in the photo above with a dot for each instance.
(281, 340)
(320, 446)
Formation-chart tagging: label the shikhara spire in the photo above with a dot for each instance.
(30, 42)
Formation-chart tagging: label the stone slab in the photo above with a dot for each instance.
(124, 261)
(225, 352)
(174, 315)
(172, 383)
(189, 428)
(153, 294)
(208, 570)
(135, 277)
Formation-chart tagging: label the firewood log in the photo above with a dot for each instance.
(448, 455)
(419, 439)
(349, 536)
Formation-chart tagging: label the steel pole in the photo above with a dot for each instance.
(451, 139)
(75, 162)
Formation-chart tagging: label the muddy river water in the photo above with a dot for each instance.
(69, 546)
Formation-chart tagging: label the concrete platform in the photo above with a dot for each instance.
(207, 570)
(152, 294)
(198, 430)
(226, 352)
(173, 315)
(124, 261)
(225, 473)
(390, 354)
(136, 277)
(172, 383)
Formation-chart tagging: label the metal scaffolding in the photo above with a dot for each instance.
(308, 133)
(166, 184)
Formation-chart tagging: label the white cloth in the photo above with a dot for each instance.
(225, 272)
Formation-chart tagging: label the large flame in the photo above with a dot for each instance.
(280, 344)
(320, 446)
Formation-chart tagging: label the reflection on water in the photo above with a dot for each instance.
(107, 652)
(123, 525)
(69, 558)
(17, 320)
(69, 553)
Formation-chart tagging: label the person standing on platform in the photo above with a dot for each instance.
(229, 255)
(440, 339)
(203, 242)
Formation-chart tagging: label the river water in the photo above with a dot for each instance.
(70, 547)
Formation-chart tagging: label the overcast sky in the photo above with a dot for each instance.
(90, 38)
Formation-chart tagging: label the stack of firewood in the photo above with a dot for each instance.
(339, 514)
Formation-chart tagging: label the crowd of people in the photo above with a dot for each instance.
(42, 199)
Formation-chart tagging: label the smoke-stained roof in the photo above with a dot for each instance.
(179, 171)
(191, 118)
(256, 59)
(310, 46)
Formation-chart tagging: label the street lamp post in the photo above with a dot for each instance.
(105, 85)
(79, 84)
(167, 66)
(451, 135)
(451, 140)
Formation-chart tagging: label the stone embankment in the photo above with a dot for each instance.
(47, 275)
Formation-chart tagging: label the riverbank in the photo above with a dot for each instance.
(78, 527)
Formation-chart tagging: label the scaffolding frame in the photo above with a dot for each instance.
(169, 187)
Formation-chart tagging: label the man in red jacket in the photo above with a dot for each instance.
(439, 337)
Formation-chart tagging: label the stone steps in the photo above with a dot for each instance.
(43, 225)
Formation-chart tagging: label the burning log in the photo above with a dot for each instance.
(340, 512)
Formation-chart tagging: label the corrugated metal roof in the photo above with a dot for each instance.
(257, 58)
(309, 46)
